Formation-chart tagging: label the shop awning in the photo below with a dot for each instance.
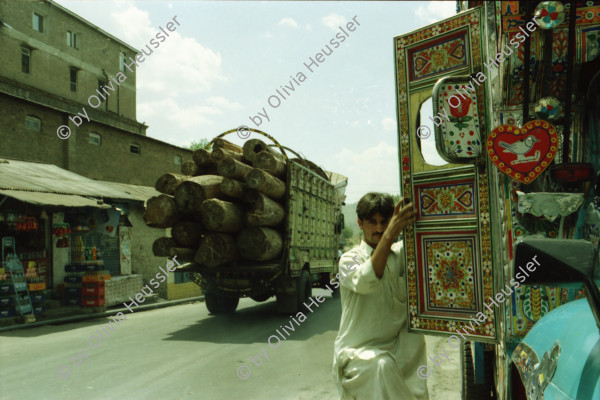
(48, 184)
(52, 199)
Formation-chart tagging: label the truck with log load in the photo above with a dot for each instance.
(251, 222)
(498, 112)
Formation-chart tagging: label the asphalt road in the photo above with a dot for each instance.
(181, 352)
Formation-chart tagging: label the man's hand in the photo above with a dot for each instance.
(404, 215)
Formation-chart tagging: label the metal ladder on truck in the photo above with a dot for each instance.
(17, 274)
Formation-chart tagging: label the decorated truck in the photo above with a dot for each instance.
(498, 113)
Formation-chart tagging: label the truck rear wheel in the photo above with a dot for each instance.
(261, 297)
(219, 304)
(303, 289)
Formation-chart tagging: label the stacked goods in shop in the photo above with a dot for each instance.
(227, 206)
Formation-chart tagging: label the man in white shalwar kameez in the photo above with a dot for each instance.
(375, 358)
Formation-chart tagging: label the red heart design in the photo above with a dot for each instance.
(523, 153)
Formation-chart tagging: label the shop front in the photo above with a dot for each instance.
(66, 242)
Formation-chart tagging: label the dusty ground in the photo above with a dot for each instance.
(444, 381)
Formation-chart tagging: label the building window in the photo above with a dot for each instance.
(95, 138)
(72, 40)
(25, 59)
(181, 277)
(33, 123)
(122, 61)
(134, 149)
(38, 22)
(73, 78)
(177, 160)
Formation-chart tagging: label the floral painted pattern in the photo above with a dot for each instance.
(453, 199)
(450, 269)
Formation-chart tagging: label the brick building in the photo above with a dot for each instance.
(52, 62)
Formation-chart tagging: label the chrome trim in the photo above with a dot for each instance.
(535, 374)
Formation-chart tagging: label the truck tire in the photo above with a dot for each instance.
(261, 297)
(470, 389)
(219, 304)
(303, 289)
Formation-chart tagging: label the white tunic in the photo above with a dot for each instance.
(374, 355)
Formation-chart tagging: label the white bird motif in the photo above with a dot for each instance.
(520, 148)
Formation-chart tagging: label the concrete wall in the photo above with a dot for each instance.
(110, 161)
(143, 261)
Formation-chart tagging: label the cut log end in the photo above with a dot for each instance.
(190, 194)
(187, 233)
(190, 168)
(216, 249)
(202, 158)
(167, 183)
(259, 243)
(161, 246)
(252, 147)
(161, 212)
(271, 164)
(221, 216)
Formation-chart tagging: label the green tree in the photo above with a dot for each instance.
(347, 233)
(201, 144)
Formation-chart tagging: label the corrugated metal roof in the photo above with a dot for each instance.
(53, 199)
(48, 178)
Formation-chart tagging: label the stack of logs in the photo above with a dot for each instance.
(226, 206)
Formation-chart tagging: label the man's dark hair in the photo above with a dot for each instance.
(372, 203)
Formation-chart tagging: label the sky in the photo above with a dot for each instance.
(226, 59)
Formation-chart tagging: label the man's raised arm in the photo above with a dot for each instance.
(403, 216)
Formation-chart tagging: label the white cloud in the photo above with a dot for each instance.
(176, 116)
(333, 21)
(134, 24)
(371, 169)
(179, 65)
(288, 22)
(222, 102)
(308, 27)
(435, 11)
(389, 124)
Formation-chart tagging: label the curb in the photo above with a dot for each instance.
(77, 318)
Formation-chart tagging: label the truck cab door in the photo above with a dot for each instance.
(449, 249)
